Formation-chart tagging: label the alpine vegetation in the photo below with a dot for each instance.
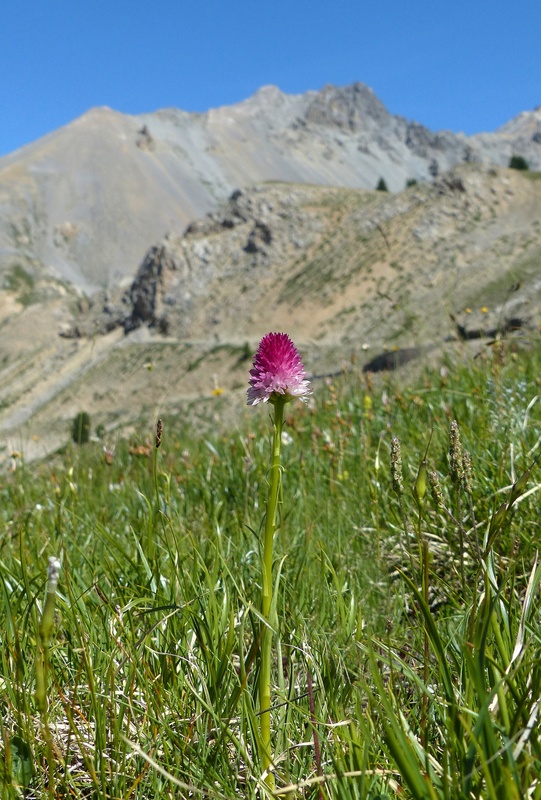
(350, 611)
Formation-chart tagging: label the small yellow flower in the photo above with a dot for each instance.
(484, 310)
(217, 391)
(367, 404)
(468, 310)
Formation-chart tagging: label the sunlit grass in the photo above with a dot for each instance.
(385, 683)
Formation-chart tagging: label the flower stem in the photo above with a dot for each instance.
(45, 632)
(266, 598)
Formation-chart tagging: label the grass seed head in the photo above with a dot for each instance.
(159, 431)
(456, 466)
(467, 472)
(396, 466)
(435, 488)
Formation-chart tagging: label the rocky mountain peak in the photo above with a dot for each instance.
(353, 108)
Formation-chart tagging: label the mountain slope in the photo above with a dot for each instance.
(337, 265)
(348, 273)
(81, 206)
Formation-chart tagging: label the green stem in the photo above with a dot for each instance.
(424, 575)
(266, 598)
(152, 524)
(45, 631)
(424, 709)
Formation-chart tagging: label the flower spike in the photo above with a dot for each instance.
(278, 371)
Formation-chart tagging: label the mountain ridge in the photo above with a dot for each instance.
(83, 204)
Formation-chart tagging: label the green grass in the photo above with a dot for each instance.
(532, 175)
(29, 289)
(407, 656)
(18, 279)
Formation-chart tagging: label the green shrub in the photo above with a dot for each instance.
(518, 162)
(382, 186)
(80, 431)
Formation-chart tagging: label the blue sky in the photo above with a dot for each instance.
(465, 66)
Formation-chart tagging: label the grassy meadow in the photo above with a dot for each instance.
(407, 637)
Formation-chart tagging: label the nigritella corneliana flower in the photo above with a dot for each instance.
(278, 371)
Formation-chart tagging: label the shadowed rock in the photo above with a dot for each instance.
(502, 329)
(259, 238)
(146, 290)
(392, 359)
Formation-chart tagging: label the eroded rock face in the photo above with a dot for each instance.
(182, 279)
(353, 108)
(344, 265)
(146, 296)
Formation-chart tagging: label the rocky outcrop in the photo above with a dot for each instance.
(351, 108)
(275, 251)
(146, 296)
(239, 243)
(144, 140)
